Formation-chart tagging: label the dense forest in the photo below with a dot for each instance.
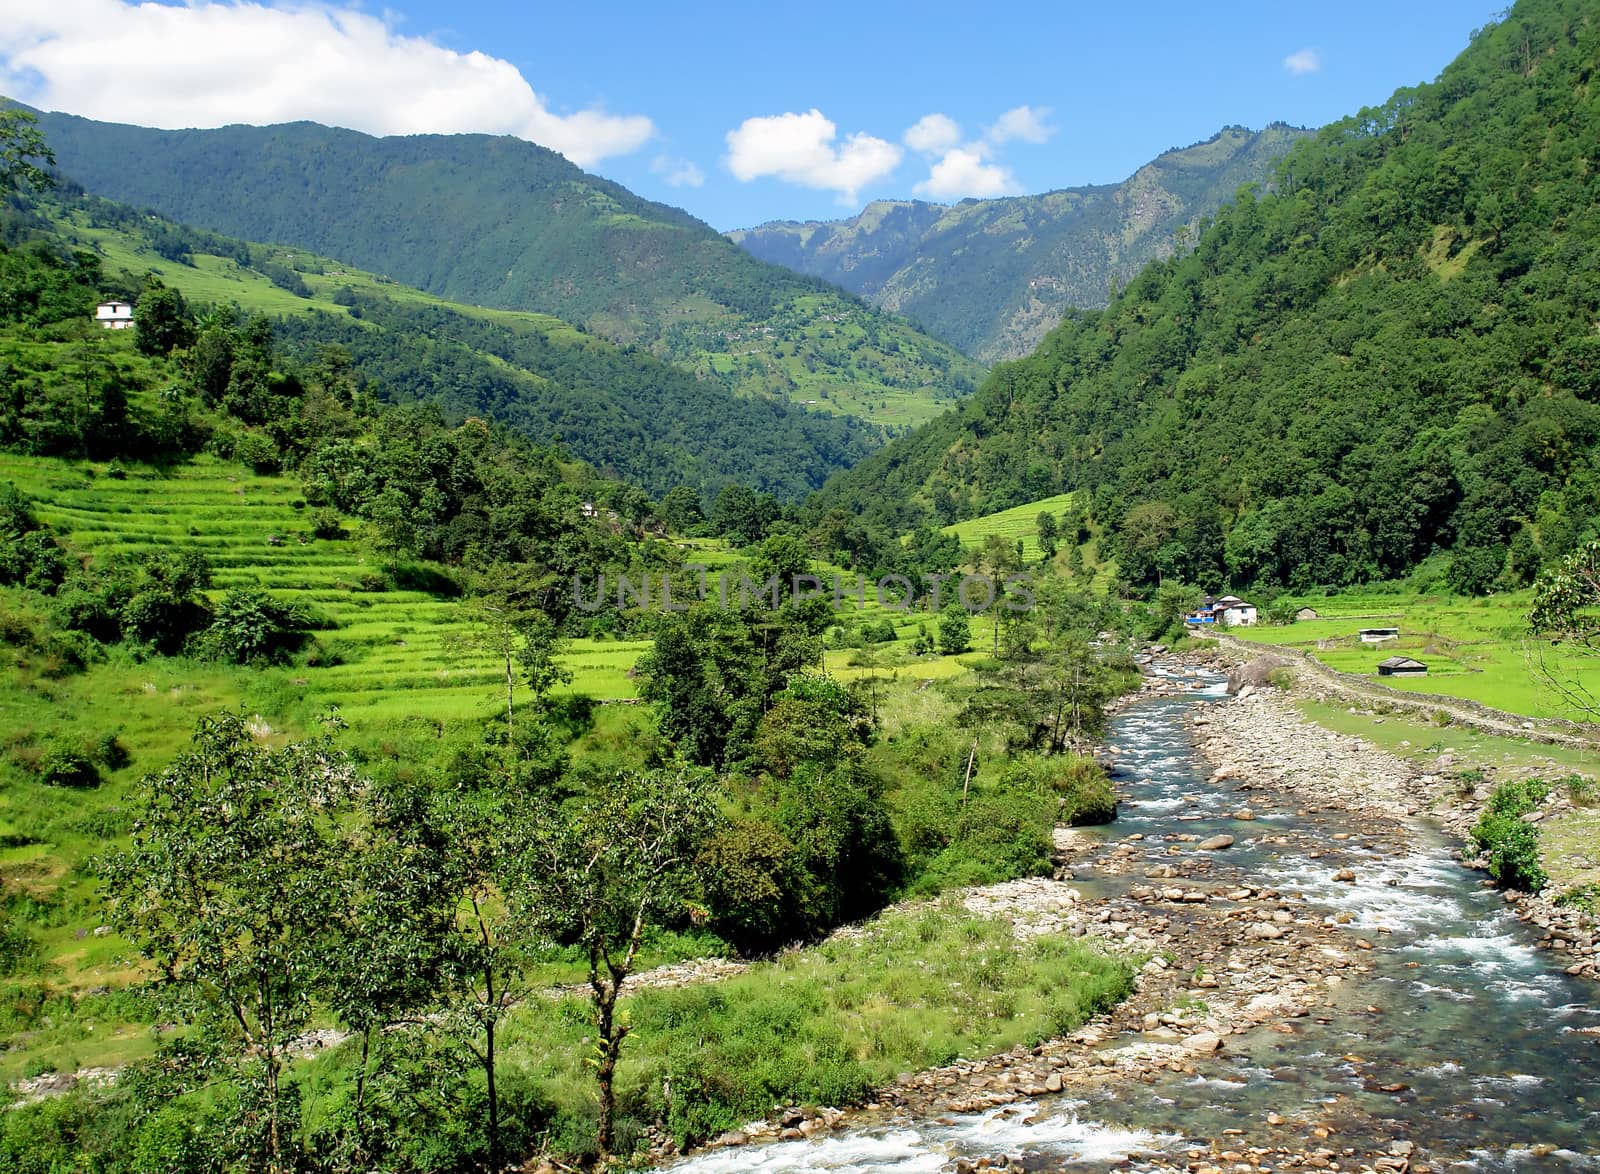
(1391, 354)
(513, 225)
(994, 276)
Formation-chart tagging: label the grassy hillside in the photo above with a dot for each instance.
(994, 276)
(1389, 356)
(621, 410)
(502, 222)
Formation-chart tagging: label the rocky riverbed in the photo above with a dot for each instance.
(1260, 741)
(1306, 953)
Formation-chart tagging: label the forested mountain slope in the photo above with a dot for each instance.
(994, 276)
(502, 222)
(618, 408)
(1394, 353)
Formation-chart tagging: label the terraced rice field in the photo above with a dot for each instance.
(400, 649)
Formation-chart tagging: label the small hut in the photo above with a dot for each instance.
(1402, 666)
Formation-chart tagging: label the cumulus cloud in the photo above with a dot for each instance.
(209, 63)
(1305, 61)
(967, 171)
(677, 173)
(1022, 122)
(933, 133)
(805, 149)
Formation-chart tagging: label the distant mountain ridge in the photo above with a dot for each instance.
(992, 277)
(501, 222)
(1387, 365)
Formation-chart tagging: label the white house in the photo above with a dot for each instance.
(1229, 610)
(1234, 612)
(114, 315)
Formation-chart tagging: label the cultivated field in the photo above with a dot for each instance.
(1478, 649)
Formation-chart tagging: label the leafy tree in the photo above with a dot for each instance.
(22, 151)
(226, 888)
(601, 873)
(955, 631)
(161, 319)
(680, 508)
(1046, 526)
(1566, 615)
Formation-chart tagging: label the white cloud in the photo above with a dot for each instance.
(208, 63)
(677, 173)
(933, 133)
(1305, 61)
(1022, 122)
(966, 171)
(804, 149)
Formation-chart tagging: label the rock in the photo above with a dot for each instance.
(1052, 1083)
(732, 1137)
(1215, 843)
(1347, 875)
(1401, 1148)
(1205, 1041)
(1244, 814)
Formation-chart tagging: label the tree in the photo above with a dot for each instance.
(516, 636)
(22, 150)
(955, 631)
(226, 887)
(484, 833)
(680, 509)
(1047, 535)
(162, 322)
(1566, 616)
(601, 873)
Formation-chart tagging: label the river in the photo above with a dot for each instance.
(1463, 1038)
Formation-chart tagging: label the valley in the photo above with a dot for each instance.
(499, 676)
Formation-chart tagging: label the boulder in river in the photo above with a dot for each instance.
(1215, 843)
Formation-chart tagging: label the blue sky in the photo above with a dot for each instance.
(743, 113)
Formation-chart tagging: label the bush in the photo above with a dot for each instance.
(63, 766)
(327, 525)
(1508, 844)
(1079, 782)
(759, 894)
(250, 625)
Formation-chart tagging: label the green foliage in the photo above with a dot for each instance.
(1078, 781)
(24, 154)
(249, 626)
(955, 631)
(1510, 845)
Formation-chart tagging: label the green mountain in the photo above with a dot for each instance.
(618, 408)
(994, 276)
(1392, 354)
(501, 222)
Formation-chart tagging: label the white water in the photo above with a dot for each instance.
(1021, 1129)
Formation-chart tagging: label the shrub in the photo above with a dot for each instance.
(63, 766)
(1584, 897)
(327, 525)
(1080, 783)
(250, 625)
(759, 894)
(1508, 844)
